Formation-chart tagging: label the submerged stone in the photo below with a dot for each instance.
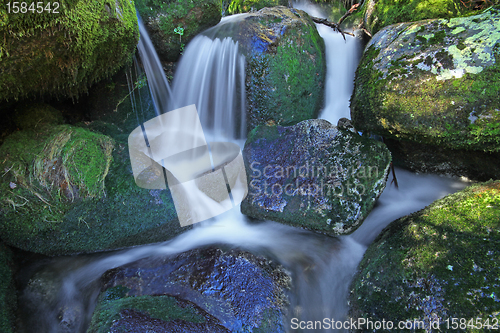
(435, 265)
(226, 291)
(433, 82)
(313, 175)
(172, 24)
(63, 47)
(285, 67)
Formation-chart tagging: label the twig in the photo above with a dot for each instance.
(336, 26)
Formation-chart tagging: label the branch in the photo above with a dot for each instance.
(336, 26)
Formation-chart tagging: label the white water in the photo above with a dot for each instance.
(211, 74)
(322, 267)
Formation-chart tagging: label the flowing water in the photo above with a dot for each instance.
(322, 267)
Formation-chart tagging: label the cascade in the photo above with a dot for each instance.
(211, 75)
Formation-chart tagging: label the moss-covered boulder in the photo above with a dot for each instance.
(285, 64)
(66, 189)
(313, 175)
(433, 82)
(381, 13)
(437, 264)
(245, 6)
(222, 290)
(173, 23)
(8, 297)
(64, 47)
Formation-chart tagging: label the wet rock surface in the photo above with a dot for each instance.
(285, 67)
(313, 175)
(228, 290)
(433, 82)
(436, 264)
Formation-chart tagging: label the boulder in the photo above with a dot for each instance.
(437, 264)
(66, 190)
(381, 13)
(433, 82)
(202, 289)
(313, 175)
(244, 6)
(173, 23)
(285, 64)
(8, 297)
(65, 48)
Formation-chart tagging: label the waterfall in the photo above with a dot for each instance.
(211, 75)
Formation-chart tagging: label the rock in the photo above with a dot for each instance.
(313, 175)
(285, 67)
(172, 24)
(69, 190)
(422, 158)
(436, 264)
(227, 291)
(244, 6)
(433, 82)
(8, 297)
(381, 13)
(66, 48)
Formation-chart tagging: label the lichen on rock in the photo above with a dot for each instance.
(434, 82)
(313, 175)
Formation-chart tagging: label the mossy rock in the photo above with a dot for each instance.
(313, 175)
(381, 13)
(285, 64)
(245, 6)
(226, 290)
(65, 52)
(433, 82)
(117, 312)
(8, 297)
(439, 263)
(68, 190)
(187, 17)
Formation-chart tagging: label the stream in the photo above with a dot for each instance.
(321, 267)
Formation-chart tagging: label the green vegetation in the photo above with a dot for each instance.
(164, 19)
(387, 12)
(112, 301)
(427, 85)
(442, 262)
(244, 6)
(8, 298)
(285, 67)
(63, 53)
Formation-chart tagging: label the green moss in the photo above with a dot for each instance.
(244, 6)
(165, 308)
(32, 116)
(44, 170)
(285, 71)
(441, 262)
(63, 53)
(8, 298)
(434, 89)
(163, 17)
(387, 12)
